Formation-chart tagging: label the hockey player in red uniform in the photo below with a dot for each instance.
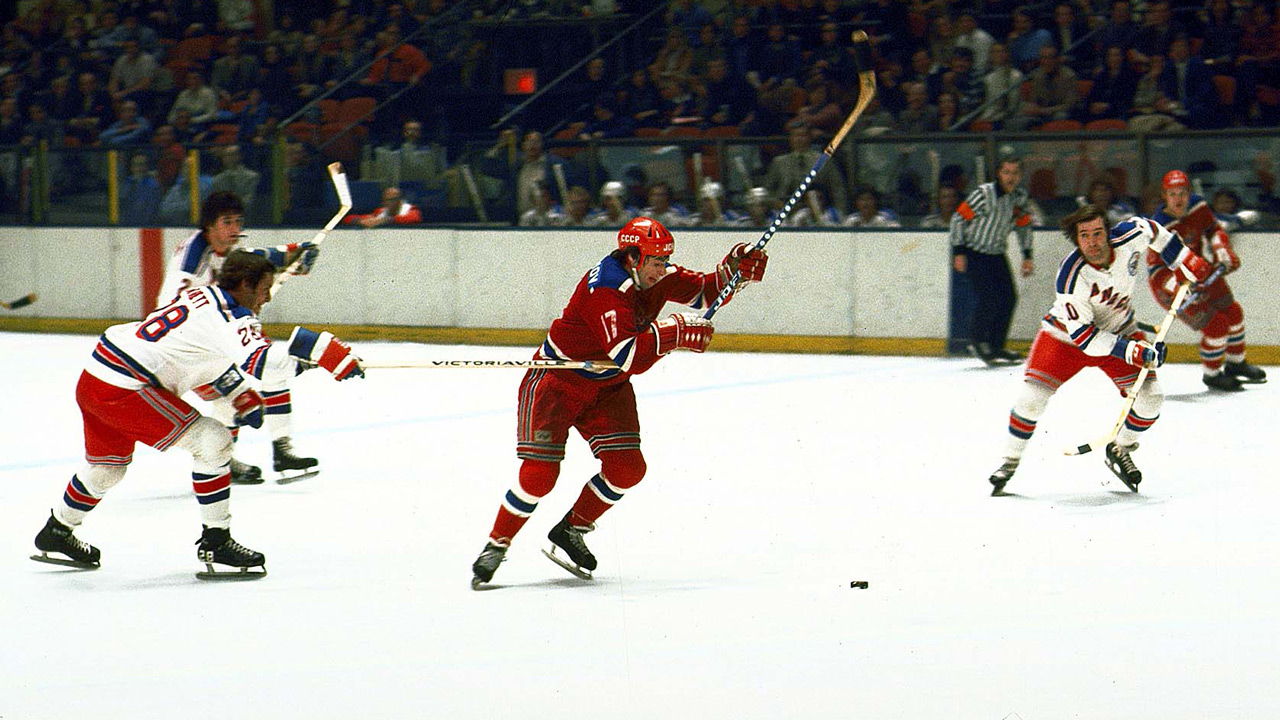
(208, 340)
(1212, 310)
(1091, 324)
(612, 316)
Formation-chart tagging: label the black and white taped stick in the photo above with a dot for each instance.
(344, 206)
(589, 365)
(1132, 395)
(21, 302)
(866, 90)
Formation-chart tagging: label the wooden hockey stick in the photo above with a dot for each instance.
(592, 365)
(866, 91)
(1132, 395)
(344, 206)
(21, 302)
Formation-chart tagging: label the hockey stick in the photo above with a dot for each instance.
(866, 90)
(592, 365)
(1132, 395)
(21, 302)
(344, 206)
(1201, 289)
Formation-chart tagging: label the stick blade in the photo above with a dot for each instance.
(340, 184)
(21, 302)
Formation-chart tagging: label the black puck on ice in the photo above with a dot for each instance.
(859, 584)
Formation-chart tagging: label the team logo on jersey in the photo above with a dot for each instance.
(1133, 264)
(542, 436)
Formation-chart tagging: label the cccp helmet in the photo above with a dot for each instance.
(648, 236)
(1175, 178)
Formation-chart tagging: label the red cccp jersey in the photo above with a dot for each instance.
(1201, 233)
(608, 317)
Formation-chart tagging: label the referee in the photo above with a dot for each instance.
(980, 231)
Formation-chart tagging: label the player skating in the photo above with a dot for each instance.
(207, 341)
(1213, 311)
(1091, 324)
(194, 264)
(612, 315)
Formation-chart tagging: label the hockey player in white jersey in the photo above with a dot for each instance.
(1091, 324)
(206, 341)
(194, 264)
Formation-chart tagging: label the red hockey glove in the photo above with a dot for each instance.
(1194, 268)
(683, 331)
(1222, 252)
(249, 407)
(325, 350)
(744, 259)
(1139, 353)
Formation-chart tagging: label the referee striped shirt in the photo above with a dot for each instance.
(982, 222)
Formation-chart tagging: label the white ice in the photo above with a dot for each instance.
(723, 587)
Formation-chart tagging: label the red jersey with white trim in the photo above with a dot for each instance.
(1093, 305)
(203, 341)
(1198, 228)
(608, 317)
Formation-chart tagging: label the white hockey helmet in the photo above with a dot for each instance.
(613, 189)
(758, 195)
(711, 189)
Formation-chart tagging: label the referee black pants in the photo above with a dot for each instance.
(994, 298)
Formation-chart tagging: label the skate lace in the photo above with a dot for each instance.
(78, 544)
(1125, 460)
(574, 534)
(235, 548)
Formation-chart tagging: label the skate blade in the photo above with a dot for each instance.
(248, 481)
(254, 573)
(64, 561)
(286, 478)
(1133, 487)
(573, 569)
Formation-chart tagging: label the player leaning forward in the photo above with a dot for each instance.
(612, 316)
(194, 264)
(1091, 324)
(208, 340)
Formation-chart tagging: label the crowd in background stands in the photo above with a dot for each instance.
(165, 74)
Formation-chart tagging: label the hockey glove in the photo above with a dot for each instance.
(683, 331)
(1194, 268)
(1140, 353)
(1223, 254)
(744, 259)
(325, 350)
(305, 254)
(249, 408)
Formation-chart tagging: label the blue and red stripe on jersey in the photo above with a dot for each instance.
(116, 359)
(1083, 335)
(277, 402)
(1069, 272)
(1021, 427)
(256, 362)
(1137, 423)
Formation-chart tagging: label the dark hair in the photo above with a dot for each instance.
(242, 266)
(1084, 214)
(222, 202)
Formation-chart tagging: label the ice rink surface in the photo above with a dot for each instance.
(723, 588)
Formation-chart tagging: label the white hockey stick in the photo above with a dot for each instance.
(592, 365)
(344, 206)
(867, 90)
(1132, 395)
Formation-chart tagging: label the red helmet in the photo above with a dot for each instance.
(648, 236)
(1175, 178)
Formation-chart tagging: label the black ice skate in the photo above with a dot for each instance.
(290, 467)
(994, 358)
(1001, 476)
(568, 538)
(1121, 463)
(245, 474)
(58, 538)
(486, 565)
(217, 548)
(1223, 381)
(1244, 372)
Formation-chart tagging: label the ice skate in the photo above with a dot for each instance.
(1223, 381)
(245, 474)
(1121, 463)
(290, 467)
(486, 565)
(1244, 372)
(1002, 475)
(568, 538)
(74, 552)
(217, 548)
(1005, 356)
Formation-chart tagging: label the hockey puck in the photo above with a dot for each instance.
(859, 584)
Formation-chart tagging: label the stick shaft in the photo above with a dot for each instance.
(344, 206)
(488, 364)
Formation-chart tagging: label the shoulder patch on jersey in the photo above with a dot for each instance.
(1069, 272)
(610, 273)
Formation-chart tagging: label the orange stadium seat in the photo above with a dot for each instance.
(724, 131)
(1061, 126)
(354, 110)
(1106, 124)
(329, 110)
(1226, 87)
(981, 126)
